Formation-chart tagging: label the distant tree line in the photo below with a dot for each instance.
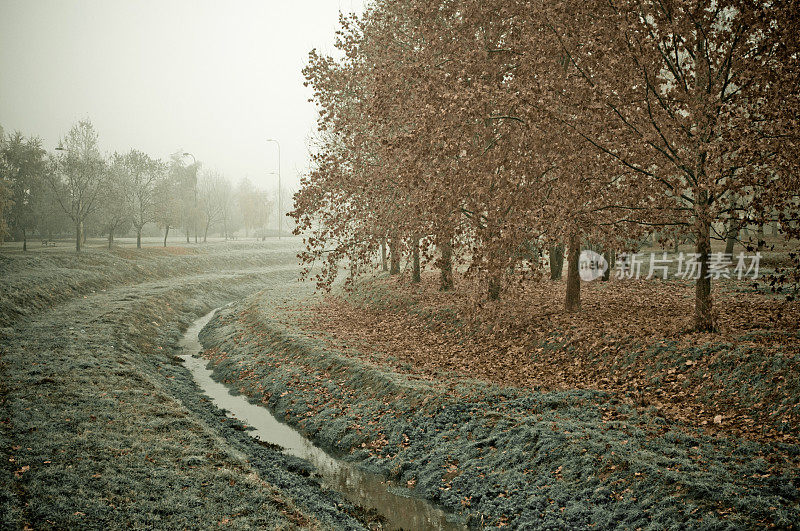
(76, 189)
(488, 134)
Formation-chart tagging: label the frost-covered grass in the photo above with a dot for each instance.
(101, 428)
(497, 455)
(35, 281)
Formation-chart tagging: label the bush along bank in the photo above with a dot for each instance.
(501, 456)
(102, 428)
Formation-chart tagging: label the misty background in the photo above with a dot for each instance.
(212, 78)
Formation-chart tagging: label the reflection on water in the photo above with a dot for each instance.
(361, 488)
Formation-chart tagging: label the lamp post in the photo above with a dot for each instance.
(194, 213)
(280, 206)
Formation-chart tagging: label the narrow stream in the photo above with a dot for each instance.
(361, 488)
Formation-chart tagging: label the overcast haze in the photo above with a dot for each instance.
(212, 78)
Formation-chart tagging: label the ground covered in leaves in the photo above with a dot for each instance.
(632, 338)
(516, 414)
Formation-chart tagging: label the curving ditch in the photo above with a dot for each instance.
(370, 491)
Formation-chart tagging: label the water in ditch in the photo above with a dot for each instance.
(367, 490)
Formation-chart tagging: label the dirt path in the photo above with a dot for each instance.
(102, 428)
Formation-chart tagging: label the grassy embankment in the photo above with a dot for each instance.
(605, 419)
(102, 428)
(35, 281)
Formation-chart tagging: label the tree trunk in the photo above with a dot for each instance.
(77, 236)
(138, 238)
(416, 273)
(394, 256)
(110, 238)
(556, 261)
(166, 233)
(445, 263)
(703, 316)
(353, 270)
(494, 270)
(384, 263)
(611, 258)
(703, 319)
(494, 286)
(731, 235)
(205, 234)
(760, 237)
(573, 299)
(187, 236)
(24, 241)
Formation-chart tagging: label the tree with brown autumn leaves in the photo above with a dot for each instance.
(497, 127)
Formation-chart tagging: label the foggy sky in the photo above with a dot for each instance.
(212, 78)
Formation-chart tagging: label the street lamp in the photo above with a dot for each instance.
(280, 206)
(194, 214)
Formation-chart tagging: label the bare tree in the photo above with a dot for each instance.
(176, 210)
(25, 164)
(5, 189)
(227, 204)
(142, 175)
(114, 211)
(214, 190)
(168, 203)
(80, 172)
(5, 205)
(254, 205)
